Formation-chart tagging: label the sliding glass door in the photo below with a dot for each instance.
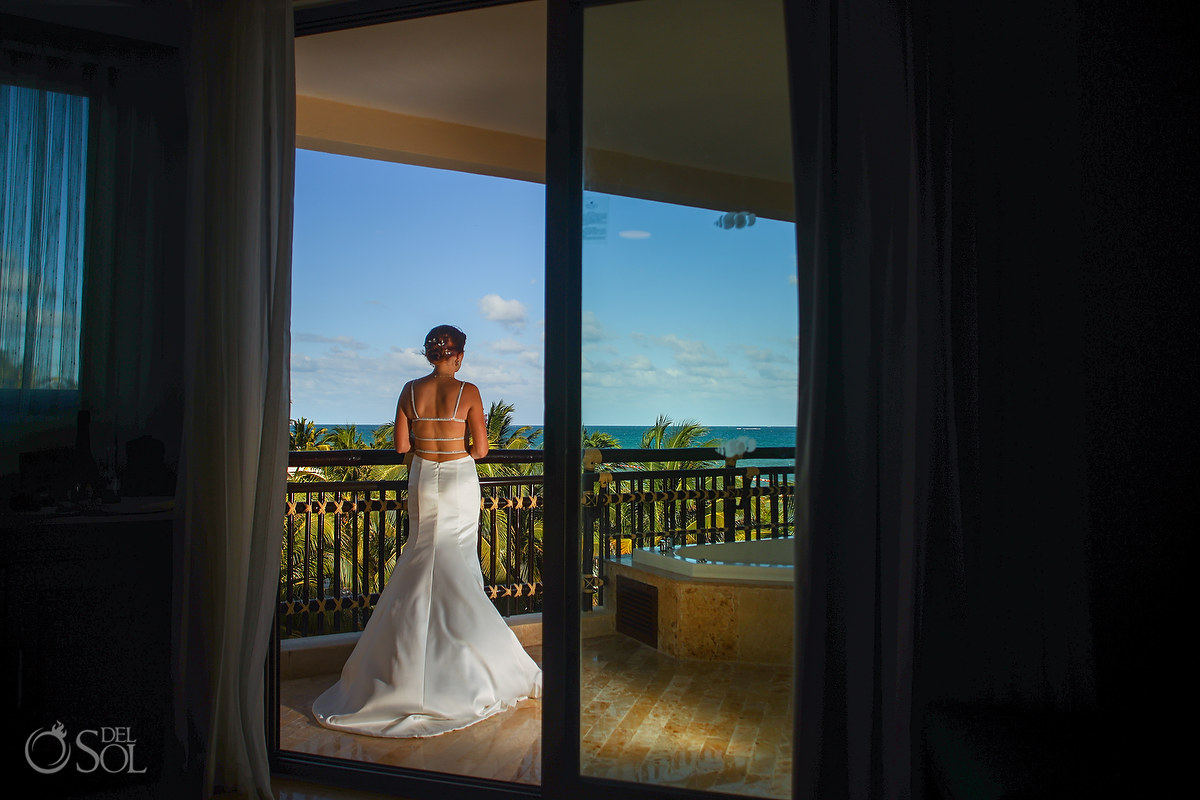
(688, 352)
(667, 335)
(419, 202)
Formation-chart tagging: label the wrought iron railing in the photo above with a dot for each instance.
(341, 537)
(629, 508)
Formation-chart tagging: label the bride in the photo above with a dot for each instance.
(435, 656)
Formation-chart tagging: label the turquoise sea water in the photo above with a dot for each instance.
(765, 436)
(631, 435)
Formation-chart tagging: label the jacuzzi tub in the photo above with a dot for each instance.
(768, 560)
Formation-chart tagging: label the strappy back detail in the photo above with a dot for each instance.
(452, 418)
(453, 414)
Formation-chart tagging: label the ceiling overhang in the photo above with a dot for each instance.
(669, 117)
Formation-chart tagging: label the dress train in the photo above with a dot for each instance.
(435, 656)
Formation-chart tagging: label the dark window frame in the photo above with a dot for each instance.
(562, 421)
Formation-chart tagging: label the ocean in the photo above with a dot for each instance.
(631, 435)
(763, 436)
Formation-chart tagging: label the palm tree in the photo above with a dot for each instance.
(362, 551)
(384, 437)
(345, 437)
(603, 440)
(500, 433)
(599, 440)
(665, 434)
(502, 436)
(303, 435)
(529, 563)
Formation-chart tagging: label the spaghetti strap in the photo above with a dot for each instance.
(412, 396)
(454, 413)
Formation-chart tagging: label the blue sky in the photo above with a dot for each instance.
(681, 317)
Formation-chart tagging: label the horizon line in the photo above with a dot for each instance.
(586, 424)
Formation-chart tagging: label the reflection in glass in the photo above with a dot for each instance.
(689, 344)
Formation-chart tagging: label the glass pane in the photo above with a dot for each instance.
(689, 345)
(409, 606)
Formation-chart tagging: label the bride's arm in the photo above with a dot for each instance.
(400, 434)
(476, 423)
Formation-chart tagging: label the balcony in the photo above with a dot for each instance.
(341, 539)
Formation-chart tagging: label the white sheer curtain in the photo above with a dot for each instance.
(43, 164)
(233, 465)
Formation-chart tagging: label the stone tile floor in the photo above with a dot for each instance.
(645, 717)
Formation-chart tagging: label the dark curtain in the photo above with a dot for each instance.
(942, 504)
(131, 377)
(128, 312)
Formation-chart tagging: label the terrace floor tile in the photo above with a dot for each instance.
(648, 717)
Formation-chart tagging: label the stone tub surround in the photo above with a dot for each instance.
(763, 560)
(320, 655)
(725, 620)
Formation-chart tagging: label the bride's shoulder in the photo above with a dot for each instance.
(410, 387)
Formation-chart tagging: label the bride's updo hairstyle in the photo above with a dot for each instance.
(444, 341)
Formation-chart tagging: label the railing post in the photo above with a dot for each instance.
(603, 529)
(774, 505)
(511, 551)
(730, 486)
(605, 538)
(588, 551)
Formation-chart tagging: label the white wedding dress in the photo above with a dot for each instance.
(435, 656)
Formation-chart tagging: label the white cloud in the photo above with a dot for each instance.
(720, 373)
(640, 362)
(622, 383)
(509, 345)
(510, 313)
(761, 355)
(692, 353)
(340, 341)
(409, 358)
(588, 365)
(592, 330)
(362, 388)
(303, 363)
(690, 378)
(778, 375)
(792, 279)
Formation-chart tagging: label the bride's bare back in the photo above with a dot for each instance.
(434, 415)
